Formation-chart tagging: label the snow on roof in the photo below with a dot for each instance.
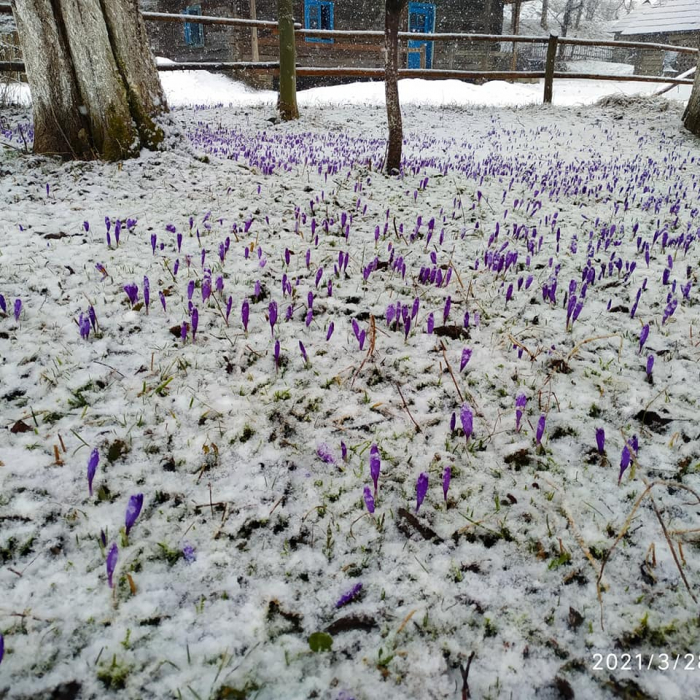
(665, 17)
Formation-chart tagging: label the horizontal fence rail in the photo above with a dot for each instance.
(550, 48)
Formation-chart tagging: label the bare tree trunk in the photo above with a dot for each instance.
(691, 116)
(254, 48)
(94, 84)
(392, 161)
(287, 103)
(544, 20)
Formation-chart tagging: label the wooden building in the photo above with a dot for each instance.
(196, 42)
(674, 22)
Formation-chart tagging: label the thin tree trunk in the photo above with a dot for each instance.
(254, 48)
(691, 116)
(544, 21)
(95, 87)
(287, 103)
(392, 161)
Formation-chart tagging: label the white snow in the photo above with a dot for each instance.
(224, 445)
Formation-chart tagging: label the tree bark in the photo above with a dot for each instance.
(392, 160)
(691, 116)
(287, 103)
(95, 88)
(544, 20)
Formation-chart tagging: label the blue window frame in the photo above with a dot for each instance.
(421, 20)
(319, 14)
(194, 33)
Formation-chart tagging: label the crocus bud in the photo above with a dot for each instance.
(133, 510)
(466, 356)
(467, 419)
(245, 313)
(446, 478)
(421, 489)
(600, 439)
(369, 499)
(112, 557)
(92, 467)
(540, 429)
(374, 465)
(349, 596)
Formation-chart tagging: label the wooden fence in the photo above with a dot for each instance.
(552, 45)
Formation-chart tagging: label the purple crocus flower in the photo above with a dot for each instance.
(467, 419)
(195, 323)
(600, 439)
(520, 401)
(643, 337)
(272, 311)
(146, 293)
(84, 326)
(183, 332)
(112, 557)
(324, 454)
(624, 462)
(190, 290)
(188, 553)
(421, 489)
(245, 313)
(93, 318)
(179, 242)
(132, 291)
(2, 647)
(446, 478)
(344, 451)
(3, 304)
(257, 292)
(453, 422)
(331, 327)
(302, 349)
(206, 288)
(349, 596)
(18, 309)
(466, 356)
(154, 238)
(92, 467)
(446, 310)
(374, 465)
(162, 299)
(431, 323)
(133, 509)
(369, 500)
(650, 364)
(540, 429)
(277, 354)
(229, 306)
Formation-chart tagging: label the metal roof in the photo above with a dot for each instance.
(666, 17)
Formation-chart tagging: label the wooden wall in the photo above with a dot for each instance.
(651, 62)
(232, 44)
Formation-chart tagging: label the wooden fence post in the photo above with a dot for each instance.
(287, 103)
(254, 50)
(549, 68)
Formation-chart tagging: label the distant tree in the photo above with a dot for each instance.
(394, 8)
(287, 102)
(94, 84)
(691, 116)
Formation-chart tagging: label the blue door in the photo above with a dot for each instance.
(421, 19)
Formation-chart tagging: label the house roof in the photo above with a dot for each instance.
(666, 17)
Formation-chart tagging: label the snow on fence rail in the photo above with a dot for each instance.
(552, 44)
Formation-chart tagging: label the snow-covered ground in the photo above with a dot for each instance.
(246, 560)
